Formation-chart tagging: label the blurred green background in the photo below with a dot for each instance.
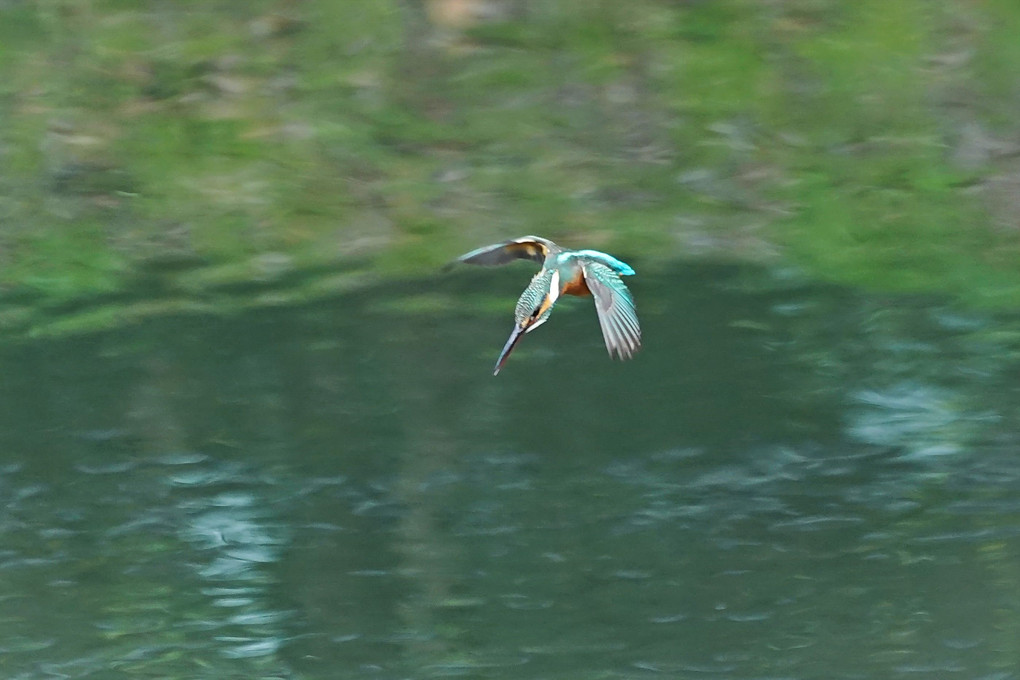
(155, 155)
(248, 429)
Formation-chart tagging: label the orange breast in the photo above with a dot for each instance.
(576, 285)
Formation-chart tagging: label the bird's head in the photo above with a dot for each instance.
(533, 309)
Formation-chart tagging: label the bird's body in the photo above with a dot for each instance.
(567, 272)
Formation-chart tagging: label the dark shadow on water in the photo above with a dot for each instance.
(790, 480)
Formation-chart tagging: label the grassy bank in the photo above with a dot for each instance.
(207, 144)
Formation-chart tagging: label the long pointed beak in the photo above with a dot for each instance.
(515, 336)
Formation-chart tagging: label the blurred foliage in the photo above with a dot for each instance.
(871, 142)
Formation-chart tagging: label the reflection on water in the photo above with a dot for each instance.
(789, 481)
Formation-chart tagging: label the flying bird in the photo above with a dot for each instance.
(566, 272)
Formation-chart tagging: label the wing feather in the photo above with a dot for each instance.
(532, 248)
(615, 307)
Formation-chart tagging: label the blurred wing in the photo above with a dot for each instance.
(615, 307)
(524, 248)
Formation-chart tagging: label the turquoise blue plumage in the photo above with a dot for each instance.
(533, 296)
(567, 272)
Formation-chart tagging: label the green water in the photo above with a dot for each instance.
(790, 480)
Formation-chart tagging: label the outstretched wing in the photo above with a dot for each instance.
(525, 248)
(615, 307)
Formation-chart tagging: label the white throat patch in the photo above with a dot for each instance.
(554, 286)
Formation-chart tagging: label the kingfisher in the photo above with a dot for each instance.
(566, 272)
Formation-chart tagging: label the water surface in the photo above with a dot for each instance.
(789, 481)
